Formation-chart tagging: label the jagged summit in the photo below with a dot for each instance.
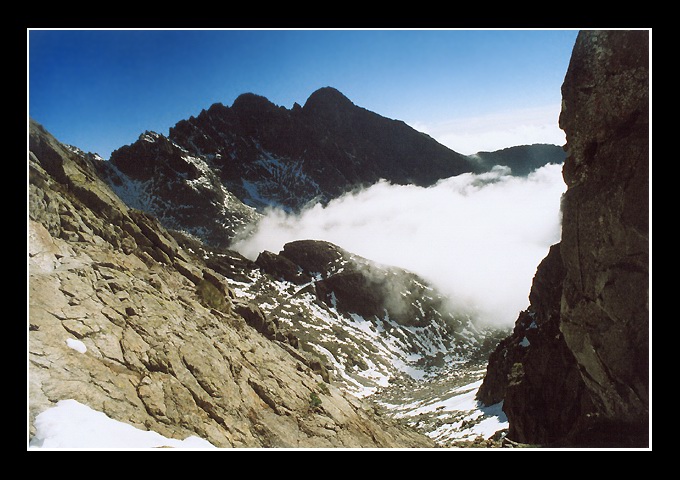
(266, 155)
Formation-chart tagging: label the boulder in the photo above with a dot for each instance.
(281, 268)
(256, 318)
(219, 281)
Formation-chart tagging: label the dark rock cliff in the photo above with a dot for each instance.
(533, 371)
(575, 371)
(605, 229)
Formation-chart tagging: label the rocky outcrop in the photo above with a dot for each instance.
(533, 371)
(179, 188)
(605, 226)
(126, 321)
(357, 285)
(575, 372)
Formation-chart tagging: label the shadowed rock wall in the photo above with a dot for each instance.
(575, 371)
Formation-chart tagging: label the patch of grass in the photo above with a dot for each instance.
(323, 388)
(314, 402)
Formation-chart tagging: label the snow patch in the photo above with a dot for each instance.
(76, 345)
(71, 424)
(460, 415)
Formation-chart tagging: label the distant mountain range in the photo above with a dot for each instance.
(213, 173)
(521, 159)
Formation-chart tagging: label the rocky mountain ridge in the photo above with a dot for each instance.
(326, 147)
(521, 159)
(215, 172)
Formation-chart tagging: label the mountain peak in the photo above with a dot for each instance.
(252, 102)
(326, 97)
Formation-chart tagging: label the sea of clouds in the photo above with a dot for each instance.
(477, 238)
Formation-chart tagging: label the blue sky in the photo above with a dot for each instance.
(472, 90)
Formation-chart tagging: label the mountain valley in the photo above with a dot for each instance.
(140, 308)
(172, 335)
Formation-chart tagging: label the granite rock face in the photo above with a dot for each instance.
(124, 320)
(575, 371)
(605, 229)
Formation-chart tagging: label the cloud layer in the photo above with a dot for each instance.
(498, 130)
(478, 238)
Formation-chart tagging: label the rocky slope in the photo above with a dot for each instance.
(368, 323)
(576, 369)
(125, 320)
(183, 190)
(213, 173)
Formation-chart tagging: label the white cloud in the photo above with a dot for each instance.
(498, 130)
(478, 238)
